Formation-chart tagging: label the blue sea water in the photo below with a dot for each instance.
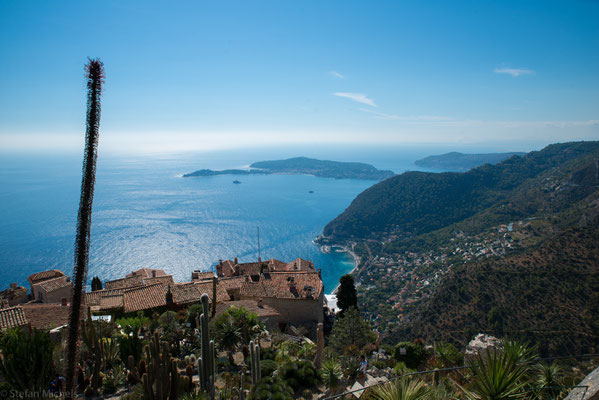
(146, 215)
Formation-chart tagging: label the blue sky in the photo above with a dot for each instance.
(189, 75)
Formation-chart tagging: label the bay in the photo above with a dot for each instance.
(146, 215)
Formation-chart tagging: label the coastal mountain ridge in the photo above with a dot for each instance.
(455, 161)
(507, 249)
(305, 165)
(418, 202)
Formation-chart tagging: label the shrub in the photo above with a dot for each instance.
(267, 367)
(271, 388)
(26, 361)
(299, 374)
(414, 355)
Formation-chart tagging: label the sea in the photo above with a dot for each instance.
(145, 214)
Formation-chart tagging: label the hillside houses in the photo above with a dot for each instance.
(280, 293)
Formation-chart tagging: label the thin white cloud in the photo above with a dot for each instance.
(515, 72)
(359, 97)
(336, 75)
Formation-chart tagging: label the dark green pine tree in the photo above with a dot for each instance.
(95, 78)
(96, 284)
(346, 294)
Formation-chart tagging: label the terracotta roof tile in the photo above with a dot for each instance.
(300, 265)
(206, 287)
(108, 302)
(49, 316)
(93, 298)
(124, 283)
(54, 284)
(44, 275)
(232, 283)
(12, 317)
(285, 285)
(202, 275)
(164, 279)
(146, 273)
(185, 293)
(144, 297)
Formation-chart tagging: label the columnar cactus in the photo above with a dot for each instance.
(207, 361)
(319, 345)
(161, 382)
(255, 362)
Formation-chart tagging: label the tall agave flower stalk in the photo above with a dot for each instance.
(95, 78)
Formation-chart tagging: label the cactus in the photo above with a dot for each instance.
(255, 362)
(207, 360)
(242, 387)
(93, 343)
(319, 345)
(133, 375)
(161, 382)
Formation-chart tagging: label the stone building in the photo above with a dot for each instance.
(298, 296)
(53, 290)
(40, 277)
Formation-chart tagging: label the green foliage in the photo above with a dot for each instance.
(299, 374)
(133, 324)
(271, 388)
(547, 379)
(26, 361)
(346, 294)
(331, 373)
(449, 355)
(421, 202)
(193, 314)
(415, 354)
(113, 379)
(96, 284)
(500, 373)
(267, 367)
(402, 389)
(130, 345)
(351, 331)
(401, 369)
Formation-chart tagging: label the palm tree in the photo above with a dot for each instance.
(402, 389)
(95, 79)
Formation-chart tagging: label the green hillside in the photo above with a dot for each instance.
(418, 202)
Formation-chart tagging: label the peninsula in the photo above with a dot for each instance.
(305, 166)
(455, 161)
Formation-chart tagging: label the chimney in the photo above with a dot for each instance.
(236, 262)
(13, 286)
(168, 297)
(220, 262)
(259, 259)
(63, 301)
(153, 273)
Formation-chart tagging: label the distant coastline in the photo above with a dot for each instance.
(304, 166)
(461, 162)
